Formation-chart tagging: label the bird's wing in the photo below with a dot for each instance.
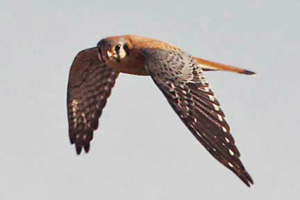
(90, 84)
(185, 87)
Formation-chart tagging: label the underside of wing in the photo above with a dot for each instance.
(186, 89)
(90, 84)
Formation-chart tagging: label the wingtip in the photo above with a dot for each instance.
(246, 178)
(249, 183)
(87, 147)
(78, 149)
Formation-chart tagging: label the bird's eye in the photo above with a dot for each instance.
(117, 48)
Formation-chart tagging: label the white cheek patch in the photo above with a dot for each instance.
(122, 53)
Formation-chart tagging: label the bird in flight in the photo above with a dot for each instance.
(176, 73)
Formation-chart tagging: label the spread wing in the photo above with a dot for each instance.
(184, 86)
(90, 84)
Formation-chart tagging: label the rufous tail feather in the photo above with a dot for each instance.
(207, 65)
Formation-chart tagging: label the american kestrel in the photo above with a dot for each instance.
(177, 74)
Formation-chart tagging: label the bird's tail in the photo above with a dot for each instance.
(207, 65)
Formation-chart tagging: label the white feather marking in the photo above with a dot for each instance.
(187, 108)
(227, 140)
(217, 108)
(199, 134)
(172, 86)
(206, 89)
(74, 105)
(231, 152)
(220, 117)
(212, 98)
(84, 117)
(224, 129)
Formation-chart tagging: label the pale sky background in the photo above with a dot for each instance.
(142, 150)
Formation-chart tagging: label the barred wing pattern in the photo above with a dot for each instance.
(90, 84)
(184, 85)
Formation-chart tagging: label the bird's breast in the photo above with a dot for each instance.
(134, 63)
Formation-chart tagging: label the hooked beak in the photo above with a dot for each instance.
(113, 54)
(109, 54)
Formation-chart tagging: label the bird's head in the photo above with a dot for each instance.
(113, 49)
